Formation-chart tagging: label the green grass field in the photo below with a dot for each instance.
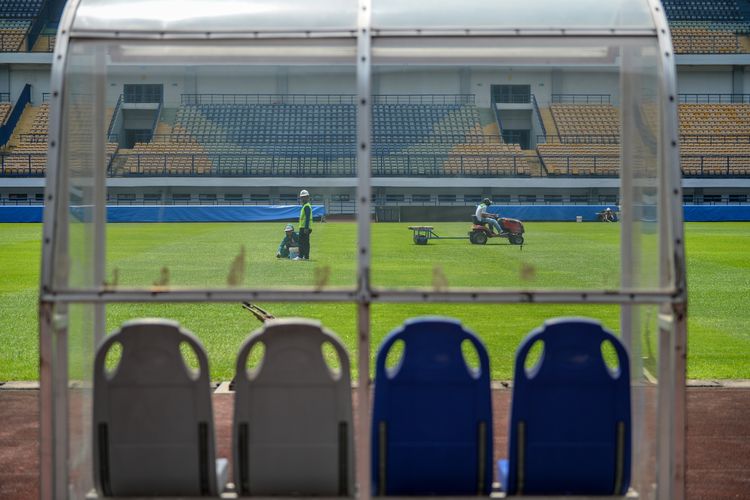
(556, 255)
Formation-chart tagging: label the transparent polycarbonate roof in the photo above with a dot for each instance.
(251, 16)
(216, 16)
(510, 14)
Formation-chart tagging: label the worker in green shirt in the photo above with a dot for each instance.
(305, 225)
(291, 240)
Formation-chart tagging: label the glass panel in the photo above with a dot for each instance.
(80, 370)
(206, 157)
(533, 14)
(646, 382)
(207, 146)
(547, 162)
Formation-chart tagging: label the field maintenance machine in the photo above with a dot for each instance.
(478, 234)
(511, 228)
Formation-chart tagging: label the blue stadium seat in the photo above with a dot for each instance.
(432, 414)
(570, 415)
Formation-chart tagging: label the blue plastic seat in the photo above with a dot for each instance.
(432, 414)
(570, 415)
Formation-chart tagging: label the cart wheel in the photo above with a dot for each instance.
(478, 237)
(420, 239)
(515, 239)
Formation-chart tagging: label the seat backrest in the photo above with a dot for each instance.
(293, 431)
(570, 414)
(432, 413)
(153, 425)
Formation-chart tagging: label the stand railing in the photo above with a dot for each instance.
(23, 164)
(395, 99)
(578, 139)
(259, 165)
(714, 139)
(581, 99)
(257, 139)
(714, 98)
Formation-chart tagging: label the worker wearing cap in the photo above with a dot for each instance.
(291, 239)
(487, 218)
(305, 225)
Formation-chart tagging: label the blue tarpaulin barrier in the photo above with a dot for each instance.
(21, 214)
(716, 213)
(172, 213)
(552, 213)
(692, 213)
(259, 213)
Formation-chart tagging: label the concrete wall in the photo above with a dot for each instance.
(588, 82)
(482, 80)
(409, 81)
(713, 80)
(15, 78)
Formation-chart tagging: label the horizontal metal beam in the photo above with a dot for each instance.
(203, 295)
(376, 32)
(521, 297)
(487, 296)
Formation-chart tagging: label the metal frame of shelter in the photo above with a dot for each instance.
(56, 294)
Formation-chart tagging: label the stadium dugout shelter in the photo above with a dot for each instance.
(364, 51)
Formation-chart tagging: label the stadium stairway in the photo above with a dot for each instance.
(549, 122)
(487, 118)
(23, 126)
(167, 116)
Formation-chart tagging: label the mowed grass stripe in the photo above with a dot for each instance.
(718, 258)
(556, 255)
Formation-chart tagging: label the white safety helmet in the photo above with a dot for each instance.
(289, 227)
(303, 193)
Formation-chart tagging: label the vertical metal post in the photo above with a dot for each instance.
(364, 111)
(100, 188)
(46, 406)
(631, 150)
(628, 96)
(60, 397)
(53, 409)
(672, 456)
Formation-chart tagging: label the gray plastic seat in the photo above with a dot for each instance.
(293, 414)
(153, 424)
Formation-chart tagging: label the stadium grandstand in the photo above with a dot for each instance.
(547, 126)
(559, 128)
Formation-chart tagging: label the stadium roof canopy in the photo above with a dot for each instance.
(221, 17)
(365, 37)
